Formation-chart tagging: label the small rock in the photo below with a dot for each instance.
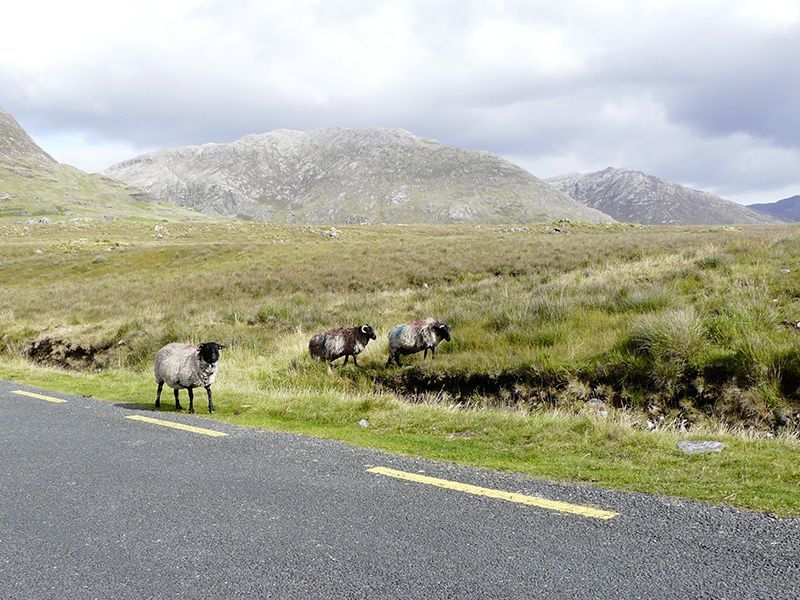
(37, 251)
(785, 271)
(700, 446)
(363, 423)
(595, 403)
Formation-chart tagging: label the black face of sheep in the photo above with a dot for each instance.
(443, 330)
(209, 351)
(369, 332)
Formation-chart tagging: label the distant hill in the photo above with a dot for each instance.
(635, 197)
(34, 184)
(787, 209)
(349, 176)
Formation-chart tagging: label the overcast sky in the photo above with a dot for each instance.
(702, 92)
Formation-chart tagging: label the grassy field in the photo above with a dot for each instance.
(691, 329)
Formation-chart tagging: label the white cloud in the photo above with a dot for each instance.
(87, 154)
(702, 91)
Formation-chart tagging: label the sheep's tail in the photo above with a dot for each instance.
(316, 347)
(395, 337)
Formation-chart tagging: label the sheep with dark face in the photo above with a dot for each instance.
(417, 336)
(187, 366)
(341, 341)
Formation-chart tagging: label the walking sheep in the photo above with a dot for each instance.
(410, 338)
(187, 366)
(341, 341)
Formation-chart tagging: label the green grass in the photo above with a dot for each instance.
(32, 188)
(681, 323)
(565, 446)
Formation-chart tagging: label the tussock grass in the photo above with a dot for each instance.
(682, 326)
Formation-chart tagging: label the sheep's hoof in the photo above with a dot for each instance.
(191, 411)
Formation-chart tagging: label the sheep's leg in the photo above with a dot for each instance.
(397, 359)
(158, 394)
(210, 403)
(177, 401)
(389, 362)
(346, 358)
(355, 362)
(433, 353)
(191, 400)
(425, 354)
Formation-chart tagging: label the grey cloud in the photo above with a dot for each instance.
(687, 96)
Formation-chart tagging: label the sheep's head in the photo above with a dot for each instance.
(368, 331)
(442, 330)
(209, 352)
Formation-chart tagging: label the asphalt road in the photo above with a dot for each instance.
(94, 504)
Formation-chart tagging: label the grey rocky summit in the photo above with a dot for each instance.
(635, 197)
(338, 175)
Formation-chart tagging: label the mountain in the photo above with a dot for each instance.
(787, 209)
(636, 197)
(349, 176)
(34, 184)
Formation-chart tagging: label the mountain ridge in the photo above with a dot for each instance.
(15, 142)
(787, 209)
(335, 175)
(634, 196)
(34, 184)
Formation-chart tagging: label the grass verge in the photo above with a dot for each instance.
(580, 447)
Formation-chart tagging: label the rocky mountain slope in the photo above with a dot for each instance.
(635, 197)
(787, 209)
(34, 184)
(349, 176)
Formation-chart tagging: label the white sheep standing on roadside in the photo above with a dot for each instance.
(187, 366)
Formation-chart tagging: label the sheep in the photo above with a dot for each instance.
(187, 366)
(341, 341)
(410, 338)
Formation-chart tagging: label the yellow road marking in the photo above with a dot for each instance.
(575, 509)
(39, 396)
(180, 426)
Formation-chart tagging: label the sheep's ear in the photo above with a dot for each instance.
(221, 346)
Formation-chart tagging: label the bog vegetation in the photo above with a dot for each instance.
(564, 346)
